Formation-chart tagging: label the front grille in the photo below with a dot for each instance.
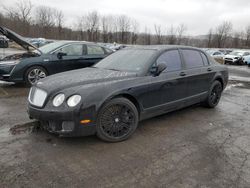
(37, 96)
(229, 59)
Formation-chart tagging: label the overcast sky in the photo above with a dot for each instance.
(198, 15)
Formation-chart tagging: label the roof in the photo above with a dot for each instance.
(159, 47)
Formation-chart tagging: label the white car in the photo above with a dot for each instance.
(215, 53)
(236, 57)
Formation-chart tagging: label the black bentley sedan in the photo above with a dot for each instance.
(110, 98)
(37, 63)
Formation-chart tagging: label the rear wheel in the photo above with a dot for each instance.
(117, 120)
(33, 74)
(214, 94)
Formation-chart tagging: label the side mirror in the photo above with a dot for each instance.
(157, 70)
(60, 55)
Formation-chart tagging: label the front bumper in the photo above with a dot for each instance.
(6, 71)
(233, 61)
(65, 122)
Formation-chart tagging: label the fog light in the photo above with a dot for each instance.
(85, 121)
(68, 126)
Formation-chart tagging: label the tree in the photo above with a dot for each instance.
(134, 31)
(59, 19)
(45, 19)
(180, 31)
(21, 15)
(91, 24)
(210, 38)
(158, 34)
(247, 36)
(123, 23)
(171, 35)
(222, 33)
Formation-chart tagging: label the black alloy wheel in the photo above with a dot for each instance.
(214, 94)
(117, 120)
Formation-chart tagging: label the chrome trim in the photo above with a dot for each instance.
(34, 97)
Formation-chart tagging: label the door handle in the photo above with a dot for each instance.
(209, 69)
(183, 74)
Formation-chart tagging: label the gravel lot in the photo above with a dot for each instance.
(194, 147)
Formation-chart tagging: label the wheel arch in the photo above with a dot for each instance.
(123, 95)
(219, 78)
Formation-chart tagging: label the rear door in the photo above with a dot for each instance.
(198, 73)
(94, 54)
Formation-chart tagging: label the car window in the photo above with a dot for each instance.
(171, 59)
(95, 50)
(246, 53)
(204, 58)
(72, 50)
(192, 58)
(217, 53)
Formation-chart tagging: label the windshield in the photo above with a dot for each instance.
(49, 47)
(130, 60)
(236, 53)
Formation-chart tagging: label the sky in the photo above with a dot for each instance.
(197, 15)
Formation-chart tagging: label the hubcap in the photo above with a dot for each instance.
(35, 75)
(117, 120)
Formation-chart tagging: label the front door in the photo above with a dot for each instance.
(167, 89)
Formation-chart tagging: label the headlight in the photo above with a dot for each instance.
(11, 62)
(58, 99)
(74, 100)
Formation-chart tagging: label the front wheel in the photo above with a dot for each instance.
(117, 120)
(214, 95)
(33, 74)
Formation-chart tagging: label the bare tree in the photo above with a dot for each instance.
(123, 23)
(158, 34)
(171, 35)
(105, 28)
(247, 36)
(134, 31)
(222, 33)
(59, 19)
(45, 19)
(210, 38)
(91, 24)
(20, 14)
(180, 31)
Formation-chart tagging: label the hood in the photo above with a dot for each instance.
(81, 77)
(17, 38)
(232, 56)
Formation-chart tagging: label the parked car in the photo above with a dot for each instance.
(38, 42)
(246, 60)
(130, 85)
(215, 53)
(3, 42)
(37, 63)
(236, 57)
(225, 51)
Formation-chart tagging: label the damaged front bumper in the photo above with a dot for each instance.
(65, 122)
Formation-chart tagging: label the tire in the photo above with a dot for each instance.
(117, 120)
(33, 74)
(214, 94)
